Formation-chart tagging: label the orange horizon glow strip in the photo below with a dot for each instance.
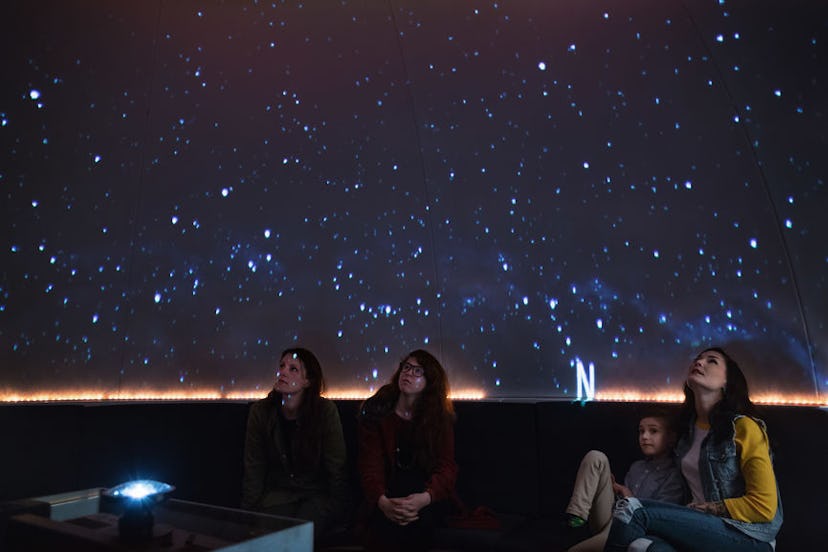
(466, 394)
(99, 395)
(673, 397)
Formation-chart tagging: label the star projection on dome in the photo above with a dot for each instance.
(556, 198)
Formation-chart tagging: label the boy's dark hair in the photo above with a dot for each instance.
(669, 418)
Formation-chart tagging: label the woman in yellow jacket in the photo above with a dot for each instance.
(725, 459)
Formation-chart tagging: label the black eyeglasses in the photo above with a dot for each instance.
(416, 371)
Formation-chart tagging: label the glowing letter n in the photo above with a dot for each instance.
(586, 385)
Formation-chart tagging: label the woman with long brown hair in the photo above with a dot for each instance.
(406, 456)
(294, 453)
(725, 458)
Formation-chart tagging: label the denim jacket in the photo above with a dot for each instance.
(721, 478)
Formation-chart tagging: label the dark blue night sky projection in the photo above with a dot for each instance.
(190, 187)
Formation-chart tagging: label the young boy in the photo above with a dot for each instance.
(589, 513)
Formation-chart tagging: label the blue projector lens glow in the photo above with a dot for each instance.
(140, 489)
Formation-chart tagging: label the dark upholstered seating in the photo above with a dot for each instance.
(516, 458)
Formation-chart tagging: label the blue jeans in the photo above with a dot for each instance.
(654, 526)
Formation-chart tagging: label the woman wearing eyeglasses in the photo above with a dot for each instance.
(406, 456)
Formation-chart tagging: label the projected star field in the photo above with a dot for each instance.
(191, 187)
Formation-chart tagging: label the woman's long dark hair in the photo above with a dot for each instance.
(735, 400)
(433, 412)
(307, 447)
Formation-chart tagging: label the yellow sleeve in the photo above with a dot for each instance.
(758, 504)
